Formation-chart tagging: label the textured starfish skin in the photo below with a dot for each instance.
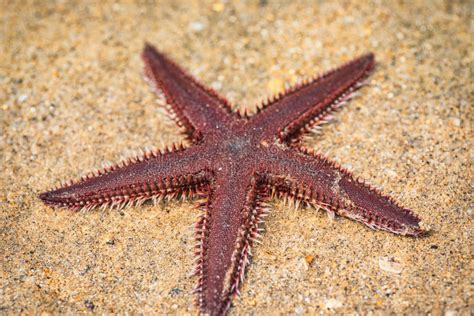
(235, 164)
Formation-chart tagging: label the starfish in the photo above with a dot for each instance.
(234, 163)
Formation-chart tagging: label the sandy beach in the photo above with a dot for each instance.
(73, 97)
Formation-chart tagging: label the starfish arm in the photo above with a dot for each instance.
(199, 109)
(224, 235)
(317, 180)
(304, 105)
(153, 175)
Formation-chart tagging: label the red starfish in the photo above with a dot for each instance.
(237, 162)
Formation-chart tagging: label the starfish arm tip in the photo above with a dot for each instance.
(43, 196)
(147, 47)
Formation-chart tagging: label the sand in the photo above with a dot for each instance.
(73, 97)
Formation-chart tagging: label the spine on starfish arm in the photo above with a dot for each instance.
(131, 181)
(201, 242)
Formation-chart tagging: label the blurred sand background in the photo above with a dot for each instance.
(72, 96)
